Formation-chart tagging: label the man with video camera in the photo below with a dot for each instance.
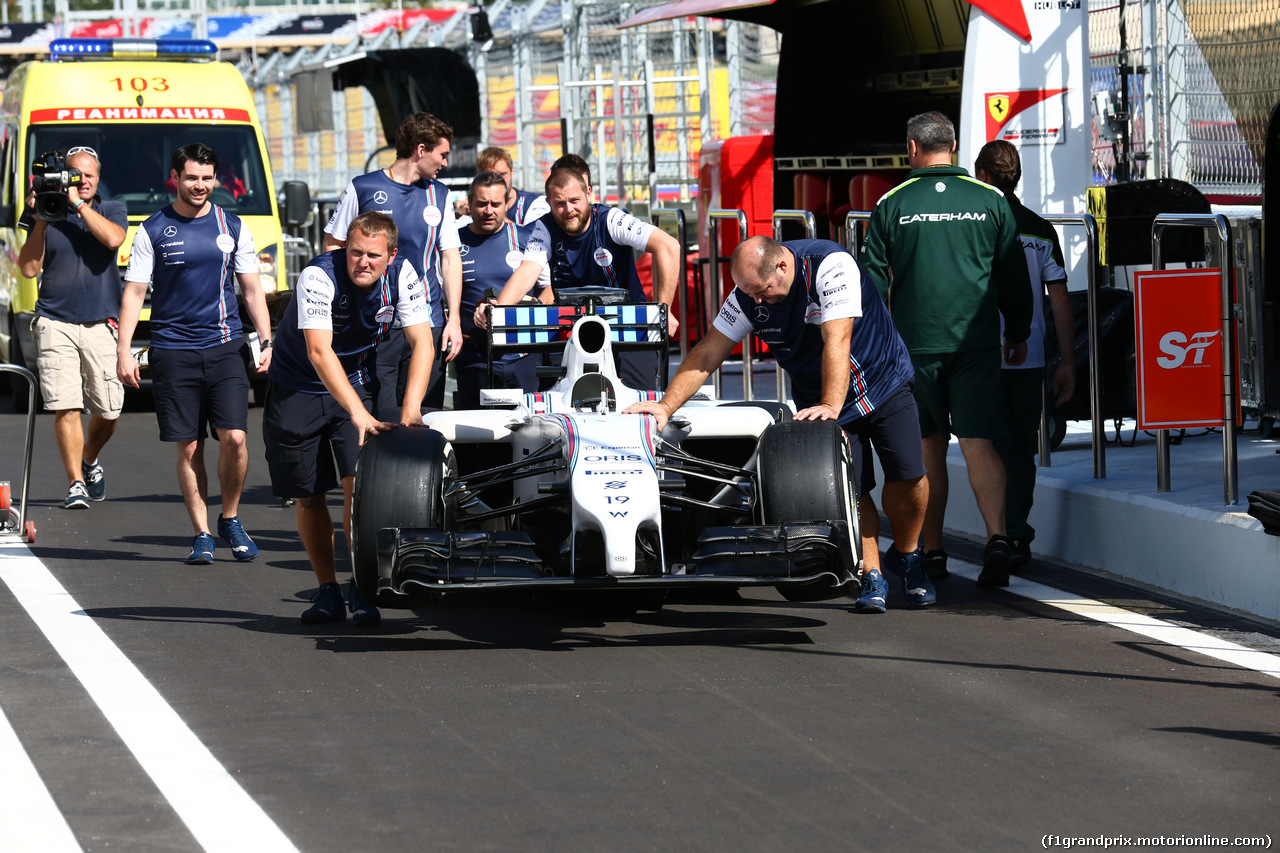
(76, 313)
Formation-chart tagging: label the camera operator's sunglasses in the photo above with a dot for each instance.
(82, 149)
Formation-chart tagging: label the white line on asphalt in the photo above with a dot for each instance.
(214, 807)
(29, 815)
(1184, 638)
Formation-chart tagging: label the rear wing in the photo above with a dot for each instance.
(546, 328)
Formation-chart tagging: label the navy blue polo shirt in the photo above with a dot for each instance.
(80, 282)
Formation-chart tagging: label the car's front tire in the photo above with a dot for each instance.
(807, 474)
(400, 479)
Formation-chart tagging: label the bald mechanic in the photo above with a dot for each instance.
(583, 244)
(828, 328)
(943, 250)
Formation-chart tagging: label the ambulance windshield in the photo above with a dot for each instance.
(136, 162)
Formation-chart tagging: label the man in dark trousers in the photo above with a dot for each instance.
(1021, 385)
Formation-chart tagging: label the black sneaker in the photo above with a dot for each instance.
(95, 481)
(1020, 549)
(363, 614)
(77, 497)
(327, 606)
(935, 565)
(997, 560)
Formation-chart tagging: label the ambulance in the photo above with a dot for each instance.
(133, 102)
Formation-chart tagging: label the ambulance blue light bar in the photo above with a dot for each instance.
(72, 49)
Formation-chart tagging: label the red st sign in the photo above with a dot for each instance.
(1179, 348)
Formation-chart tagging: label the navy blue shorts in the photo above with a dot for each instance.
(894, 429)
(311, 443)
(198, 387)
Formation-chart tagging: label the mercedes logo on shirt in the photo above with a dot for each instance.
(760, 313)
(171, 231)
(379, 197)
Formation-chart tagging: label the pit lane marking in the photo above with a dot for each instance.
(1187, 639)
(29, 815)
(217, 811)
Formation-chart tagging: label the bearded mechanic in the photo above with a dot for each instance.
(829, 329)
(585, 244)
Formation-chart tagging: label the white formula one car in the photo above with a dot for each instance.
(561, 489)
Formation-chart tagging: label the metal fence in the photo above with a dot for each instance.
(1204, 76)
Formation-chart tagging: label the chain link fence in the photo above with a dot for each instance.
(1204, 77)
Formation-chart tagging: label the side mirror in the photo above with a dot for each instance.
(297, 204)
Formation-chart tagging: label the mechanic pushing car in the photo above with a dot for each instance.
(810, 301)
(318, 409)
(588, 244)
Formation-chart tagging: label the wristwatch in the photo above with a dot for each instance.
(265, 345)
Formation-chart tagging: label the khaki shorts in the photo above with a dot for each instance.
(77, 367)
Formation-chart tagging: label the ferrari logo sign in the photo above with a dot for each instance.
(1026, 116)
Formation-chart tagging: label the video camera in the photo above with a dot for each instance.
(50, 180)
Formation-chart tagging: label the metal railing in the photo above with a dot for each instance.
(805, 218)
(712, 301)
(656, 216)
(1098, 441)
(1215, 224)
(19, 525)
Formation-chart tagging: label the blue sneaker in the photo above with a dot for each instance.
(363, 614)
(201, 550)
(242, 547)
(95, 481)
(327, 606)
(874, 594)
(910, 568)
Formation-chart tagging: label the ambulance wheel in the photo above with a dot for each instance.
(400, 481)
(807, 474)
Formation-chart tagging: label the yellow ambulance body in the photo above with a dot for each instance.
(133, 102)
